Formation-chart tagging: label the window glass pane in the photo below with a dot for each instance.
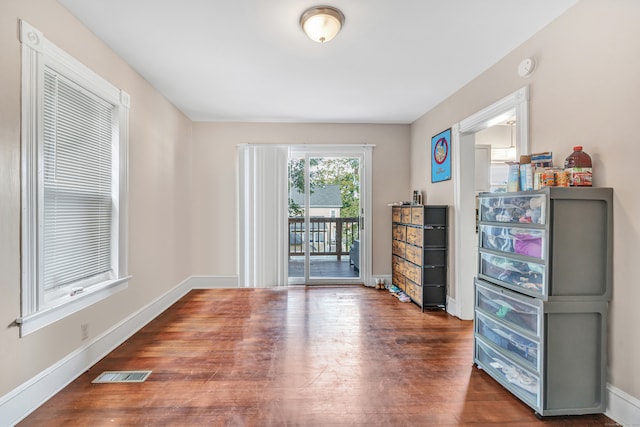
(77, 195)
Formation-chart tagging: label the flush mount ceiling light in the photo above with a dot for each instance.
(322, 23)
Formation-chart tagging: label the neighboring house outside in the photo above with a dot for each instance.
(324, 201)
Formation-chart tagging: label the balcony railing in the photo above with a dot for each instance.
(327, 236)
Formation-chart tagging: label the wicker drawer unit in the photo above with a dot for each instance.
(413, 290)
(415, 236)
(417, 216)
(399, 232)
(419, 249)
(399, 281)
(397, 265)
(412, 253)
(397, 215)
(399, 248)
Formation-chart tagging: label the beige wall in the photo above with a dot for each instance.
(160, 158)
(585, 91)
(215, 182)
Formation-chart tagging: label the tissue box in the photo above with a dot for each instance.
(513, 177)
(526, 177)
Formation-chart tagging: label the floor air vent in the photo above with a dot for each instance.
(122, 377)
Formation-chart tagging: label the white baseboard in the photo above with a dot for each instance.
(622, 407)
(20, 402)
(452, 306)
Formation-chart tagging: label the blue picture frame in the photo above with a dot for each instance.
(441, 156)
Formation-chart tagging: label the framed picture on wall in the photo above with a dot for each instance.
(441, 156)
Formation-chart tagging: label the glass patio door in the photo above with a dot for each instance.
(325, 217)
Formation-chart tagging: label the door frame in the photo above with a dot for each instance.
(465, 254)
(365, 153)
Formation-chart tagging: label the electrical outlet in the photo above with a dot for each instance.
(84, 331)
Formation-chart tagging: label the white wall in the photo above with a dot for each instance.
(496, 136)
(215, 182)
(160, 198)
(585, 91)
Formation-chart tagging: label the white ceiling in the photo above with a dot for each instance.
(248, 60)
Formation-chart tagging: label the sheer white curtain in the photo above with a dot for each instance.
(263, 211)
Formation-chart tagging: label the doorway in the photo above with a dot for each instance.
(326, 213)
(514, 106)
(264, 232)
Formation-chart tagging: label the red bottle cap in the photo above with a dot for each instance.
(577, 148)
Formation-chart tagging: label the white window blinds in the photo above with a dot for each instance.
(264, 238)
(78, 184)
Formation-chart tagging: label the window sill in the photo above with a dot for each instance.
(71, 304)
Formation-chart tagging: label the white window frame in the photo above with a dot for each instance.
(36, 311)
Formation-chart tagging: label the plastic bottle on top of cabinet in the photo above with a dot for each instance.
(580, 169)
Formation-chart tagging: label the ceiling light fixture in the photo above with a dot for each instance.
(322, 23)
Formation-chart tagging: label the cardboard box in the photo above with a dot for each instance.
(542, 160)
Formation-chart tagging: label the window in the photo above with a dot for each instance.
(74, 150)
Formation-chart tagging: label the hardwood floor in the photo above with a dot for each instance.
(321, 356)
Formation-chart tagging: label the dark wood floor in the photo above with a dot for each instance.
(329, 356)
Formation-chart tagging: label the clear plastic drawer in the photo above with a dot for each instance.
(522, 208)
(519, 380)
(519, 274)
(511, 310)
(515, 240)
(509, 340)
